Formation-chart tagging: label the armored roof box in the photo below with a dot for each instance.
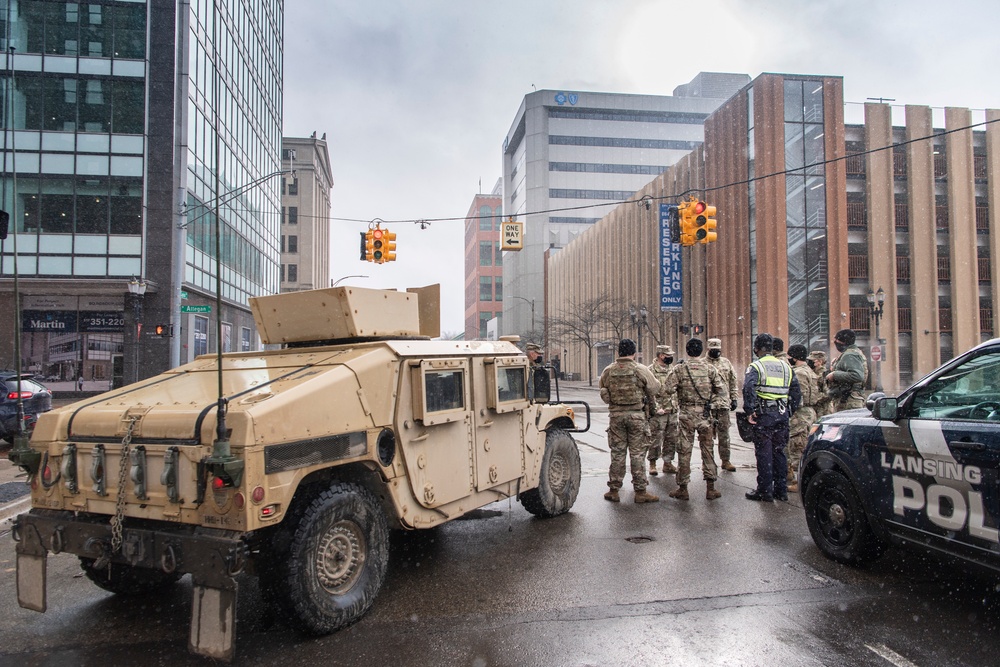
(347, 312)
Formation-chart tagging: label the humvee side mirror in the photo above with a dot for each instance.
(542, 384)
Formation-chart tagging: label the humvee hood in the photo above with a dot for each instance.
(262, 390)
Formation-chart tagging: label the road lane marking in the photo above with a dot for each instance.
(887, 653)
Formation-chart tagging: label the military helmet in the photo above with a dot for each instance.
(714, 344)
(665, 349)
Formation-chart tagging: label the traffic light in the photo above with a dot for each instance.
(389, 246)
(364, 246)
(164, 330)
(705, 222)
(685, 211)
(378, 245)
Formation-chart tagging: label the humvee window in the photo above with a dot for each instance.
(510, 384)
(445, 390)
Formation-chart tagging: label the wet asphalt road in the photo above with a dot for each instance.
(696, 583)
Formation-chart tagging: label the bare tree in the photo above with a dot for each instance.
(616, 316)
(582, 322)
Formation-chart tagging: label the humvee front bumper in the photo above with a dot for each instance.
(212, 557)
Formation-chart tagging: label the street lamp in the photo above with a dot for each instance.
(638, 320)
(136, 293)
(876, 303)
(333, 283)
(532, 302)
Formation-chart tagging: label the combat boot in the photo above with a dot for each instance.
(652, 469)
(727, 465)
(612, 495)
(793, 487)
(710, 492)
(668, 468)
(680, 493)
(644, 497)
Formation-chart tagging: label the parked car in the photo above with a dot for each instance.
(918, 470)
(35, 397)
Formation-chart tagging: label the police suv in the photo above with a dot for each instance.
(917, 469)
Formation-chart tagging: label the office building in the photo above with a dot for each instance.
(483, 263)
(813, 217)
(305, 213)
(570, 157)
(135, 126)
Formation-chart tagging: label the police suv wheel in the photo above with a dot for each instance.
(559, 479)
(837, 520)
(335, 562)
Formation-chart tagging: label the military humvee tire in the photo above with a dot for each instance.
(128, 580)
(559, 481)
(838, 522)
(336, 561)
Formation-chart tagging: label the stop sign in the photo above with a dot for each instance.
(876, 352)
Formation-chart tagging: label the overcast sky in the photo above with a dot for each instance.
(415, 97)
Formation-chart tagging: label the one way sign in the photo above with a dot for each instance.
(513, 235)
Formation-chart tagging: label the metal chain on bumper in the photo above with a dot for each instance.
(123, 465)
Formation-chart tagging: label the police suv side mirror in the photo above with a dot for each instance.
(872, 397)
(886, 408)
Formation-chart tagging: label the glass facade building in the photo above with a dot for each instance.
(112, 170)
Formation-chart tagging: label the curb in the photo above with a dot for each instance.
(13, 508)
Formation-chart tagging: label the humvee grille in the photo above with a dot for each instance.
(293, 455)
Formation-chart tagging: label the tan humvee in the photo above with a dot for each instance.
(359, 424)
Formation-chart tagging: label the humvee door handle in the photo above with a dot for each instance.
(966, 444)
(485, 424)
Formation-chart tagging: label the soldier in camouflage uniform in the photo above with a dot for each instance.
(805, 416)
(663, 428)
(720, 416)
(778, 345)
(699, 389)
(626, 386)
(848, 375)
(817, 362)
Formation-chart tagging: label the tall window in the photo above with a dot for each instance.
(200, 335)
(485, 253)
(498, 281)
(245, 341)
(293, 273)
(485, 218)
(485, 288)
(497, 255)
(805, 205)
(293, 244)
(293, 215)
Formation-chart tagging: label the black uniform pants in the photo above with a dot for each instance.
(770, 442)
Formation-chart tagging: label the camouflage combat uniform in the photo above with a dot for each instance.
(625, 387)
(823, 404)
(696, 384)
(802, 419)
(720, 416)
(850, 371)
(663, 428)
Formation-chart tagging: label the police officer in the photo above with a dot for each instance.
(663, 429)
(817, 362)
(720, 416)
(805, 416)
(770, 394)
(699, 390)
(625, 386)
(848, 375)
